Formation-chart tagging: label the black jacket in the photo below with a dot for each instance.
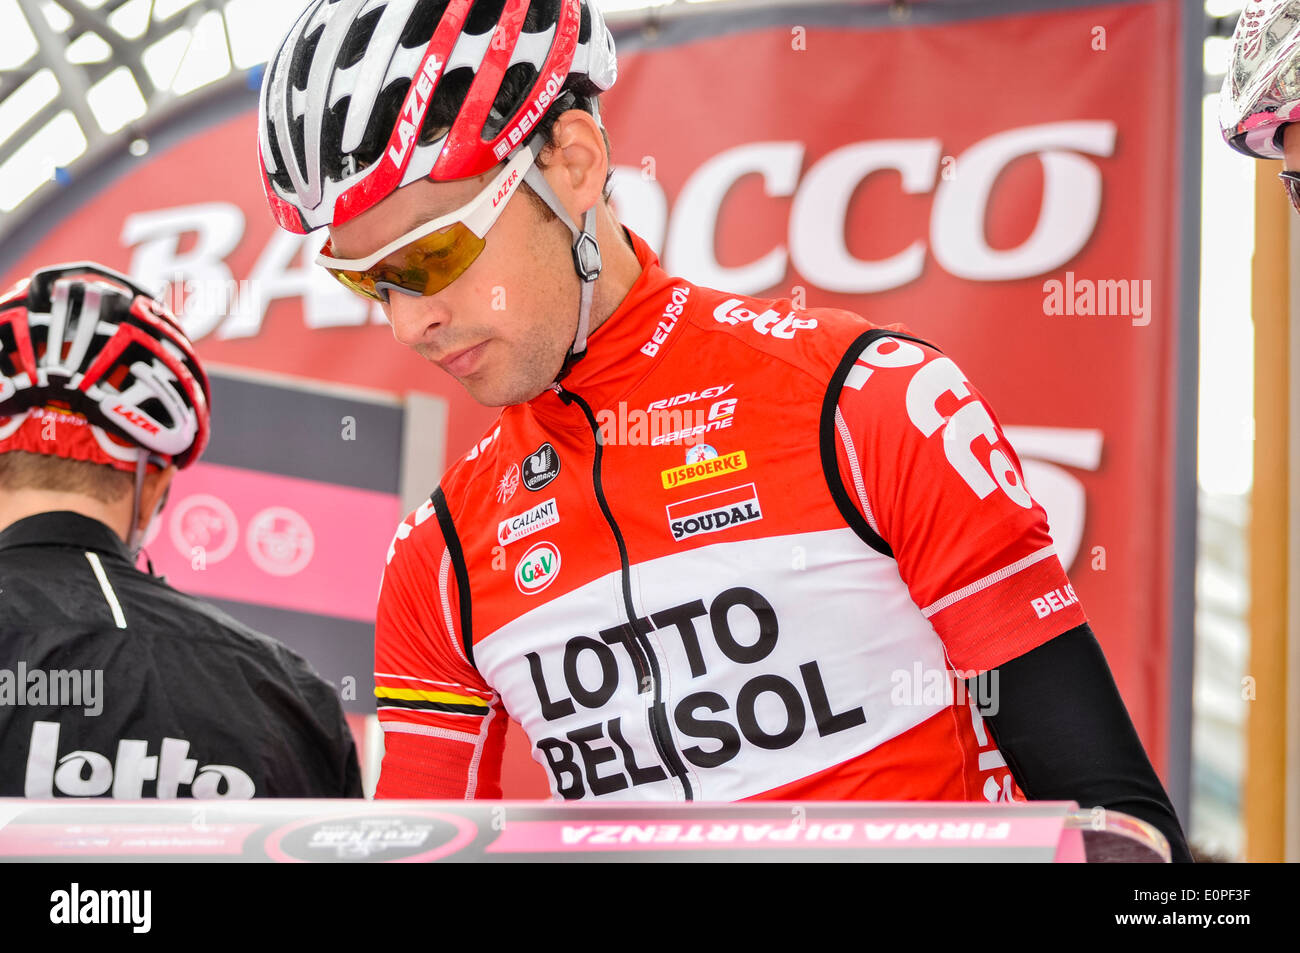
(112, 683)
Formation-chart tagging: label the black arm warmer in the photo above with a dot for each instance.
(1058, 719)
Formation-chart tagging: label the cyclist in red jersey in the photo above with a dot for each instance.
(715, 547)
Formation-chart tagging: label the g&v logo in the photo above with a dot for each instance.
(537, 569)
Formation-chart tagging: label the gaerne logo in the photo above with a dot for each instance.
(537, 569)
(705, 469)
(525, 524)
(714, 512)
(769, 322)
(541, 467)
(509, 483)
(672, 312)
(417, 102)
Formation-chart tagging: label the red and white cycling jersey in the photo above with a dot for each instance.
(759, 582)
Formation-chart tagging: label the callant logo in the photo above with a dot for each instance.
(537, 569)
(525, 524)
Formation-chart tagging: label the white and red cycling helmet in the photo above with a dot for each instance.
(93, 368)
(366, 96)
(1261, 92)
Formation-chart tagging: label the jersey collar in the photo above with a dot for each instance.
(64, 528)
(615, 361)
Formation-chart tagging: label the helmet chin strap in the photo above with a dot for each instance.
(135, 538)
(586, 262)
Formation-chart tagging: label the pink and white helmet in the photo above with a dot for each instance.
(1261, 92)
(366, 96)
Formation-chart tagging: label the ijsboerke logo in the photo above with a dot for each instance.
(702, 463)
(541, 467)
(537, 569)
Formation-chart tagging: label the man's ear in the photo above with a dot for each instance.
(581, 155)
(154, 494)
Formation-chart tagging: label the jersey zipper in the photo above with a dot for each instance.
(644, 660)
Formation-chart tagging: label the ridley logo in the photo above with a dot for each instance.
(541, 467)
(537, 569)
(509, 483)
(417, 102)
(713, 512)
(525, 524)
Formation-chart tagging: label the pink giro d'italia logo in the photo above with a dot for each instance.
(280, 541)
(206, 523)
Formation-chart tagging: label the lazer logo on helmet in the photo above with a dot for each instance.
(137, 418)
(413, 110)
(768, 710)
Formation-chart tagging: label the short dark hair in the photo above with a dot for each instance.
(21, 470)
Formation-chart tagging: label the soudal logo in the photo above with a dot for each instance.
(764, 710)
(714, 512)
(91, 774)
(538, 569)
(505, 188)
(136, 418)
(525, 524)
(541, 467)
(1054, 601)
(770, 322)
(672, 312)
(412, 115)
(705, 469)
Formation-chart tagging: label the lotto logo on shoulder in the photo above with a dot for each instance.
(769, 322)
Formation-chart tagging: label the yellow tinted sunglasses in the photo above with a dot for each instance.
(433, 255)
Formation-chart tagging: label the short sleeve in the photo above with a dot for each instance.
(923, 458)
(444, 727)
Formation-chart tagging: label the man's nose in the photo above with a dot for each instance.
(415, 318)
